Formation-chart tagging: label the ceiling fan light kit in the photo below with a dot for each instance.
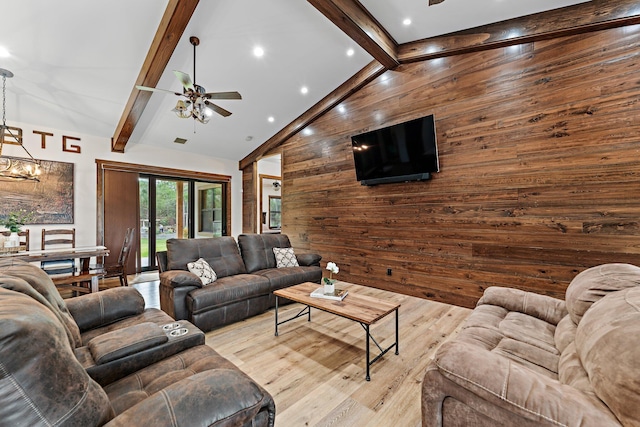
(197, 103)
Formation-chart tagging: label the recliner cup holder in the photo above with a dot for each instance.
(170, 326)
(179, 332)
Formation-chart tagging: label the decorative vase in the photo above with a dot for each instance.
(329, 285)
(14, 240)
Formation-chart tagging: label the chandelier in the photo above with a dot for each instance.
(14, 168)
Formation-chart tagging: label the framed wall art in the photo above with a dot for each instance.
(49, 201)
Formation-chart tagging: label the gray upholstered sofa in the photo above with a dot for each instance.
(524, 359)
(102, 359)
(246, 277)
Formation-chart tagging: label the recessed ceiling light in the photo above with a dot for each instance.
(307, 131)
(304, 90)
(406, 22)
(258, 52)
(4, 53)
(341, 108)
(271, 119)
(350, 52)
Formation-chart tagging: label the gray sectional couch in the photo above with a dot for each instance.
(246, 277)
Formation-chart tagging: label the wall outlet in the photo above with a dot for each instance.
(388, 272)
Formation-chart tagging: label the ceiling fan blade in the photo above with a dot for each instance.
(153, 89)
(432, 2)
(185, 79)
(223, 95)
(217, 109)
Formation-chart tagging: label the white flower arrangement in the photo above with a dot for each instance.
(333, 269)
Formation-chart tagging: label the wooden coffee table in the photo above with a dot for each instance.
(360, 308)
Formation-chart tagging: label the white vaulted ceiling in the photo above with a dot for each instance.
(76, 61)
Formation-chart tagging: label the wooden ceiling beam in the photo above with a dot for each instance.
(356, 21)
(581, 18)
(355, 83)
(172, 26)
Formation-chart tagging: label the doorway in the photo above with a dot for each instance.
(269, 194)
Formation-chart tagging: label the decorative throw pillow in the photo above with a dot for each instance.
(203, 270)
(285, 257)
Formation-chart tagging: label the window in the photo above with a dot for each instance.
(275, 212)
(211, 212)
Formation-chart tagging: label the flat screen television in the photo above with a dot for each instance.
(399, 153)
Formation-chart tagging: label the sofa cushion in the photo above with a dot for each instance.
(102, 308)
(217, 397)
(38, 285)
(152, 315)
(126, 342)
(594, 283)
(257, 249)
(285, 257)
(227, 291)
(130, 390)
(606, 341)
(203, 270)
(492, 381)
(221, 253)
(41, 382)
(283, 277)
(521, 338)
(308, 259)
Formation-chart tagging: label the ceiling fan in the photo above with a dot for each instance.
(432, 2)
(197, 103)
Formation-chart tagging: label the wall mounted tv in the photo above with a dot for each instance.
(399, 153)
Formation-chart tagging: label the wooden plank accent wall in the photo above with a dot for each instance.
(540, 171)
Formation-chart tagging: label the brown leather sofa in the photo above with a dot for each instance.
(246, 277)
(524, 359)
(102, 359)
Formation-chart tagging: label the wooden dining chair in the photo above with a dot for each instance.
(58, 238)
(24, 237)
(120, 268)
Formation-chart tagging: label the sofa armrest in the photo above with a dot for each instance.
(218, 397)
(549, 309)
(491, 383)
(175, 285)
(179, 278)
(307, 260)
(124, 342)
(104, 307)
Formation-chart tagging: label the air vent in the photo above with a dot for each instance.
(180, 140)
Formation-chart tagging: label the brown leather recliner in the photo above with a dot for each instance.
(524, 359)
(43, 382)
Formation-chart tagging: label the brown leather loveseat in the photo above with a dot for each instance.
(246, 271)
(524, 359)
(103, 359)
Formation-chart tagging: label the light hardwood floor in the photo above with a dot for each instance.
(315, 370)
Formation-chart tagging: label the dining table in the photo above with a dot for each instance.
(82, 253)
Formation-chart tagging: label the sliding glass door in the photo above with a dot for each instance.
(168, 209)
